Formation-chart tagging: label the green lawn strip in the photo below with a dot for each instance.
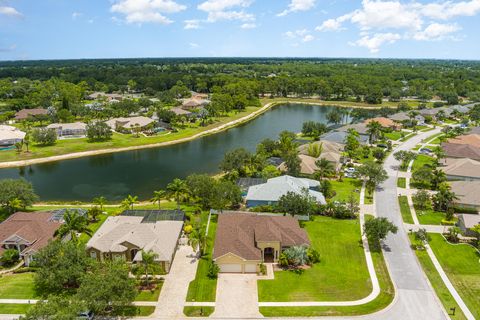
(13, 308)
(346, 187)
(149, 295)
(437, 283)
(340, 275)
(368, 196)
(17, 286)
(408, 136)
(67, 146)
(420, 161)
(136, 311)
(202, 288)
(402, 182)
(461, 263)
(380, 302)
(198, 311)
(405, 209)
(394, 135)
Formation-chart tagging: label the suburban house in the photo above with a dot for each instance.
(384, 122)
(108, 96)
(270, 192)
(181, 112)
(331, 151)
(245, 240)
(125, 236)
(27, 113)
(461, 109)
(129, 123)
(404, 117)
(75, 129)
(471, 139)
(456, 150)
(432, 112)
(466, 222)
(340, 136)
(467, 193)
(10, 135)
(27, 233)
(463, 169)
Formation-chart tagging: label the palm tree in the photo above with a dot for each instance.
(197, 239)
(100, 201)
(374, 130)
(73, 224)
(178, 190)
(325, 168)
(148, 261)
(158, 196)
(129, 201)
(15, 204)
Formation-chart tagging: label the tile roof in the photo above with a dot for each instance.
(130, 122)
(68, 126)
(384, 122)
(25, 113)
(35, 229)
(238, 233)
(455, 150)
(467, 192)
(462, 167)
(471, 139)
(469, 220)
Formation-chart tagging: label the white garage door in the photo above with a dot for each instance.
(250, 268)
(232, 268)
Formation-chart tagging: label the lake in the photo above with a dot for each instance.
(141, 172)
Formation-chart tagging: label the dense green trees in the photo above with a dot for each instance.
(18, 191)
(98, 131)
(377, 229)
(43, 136)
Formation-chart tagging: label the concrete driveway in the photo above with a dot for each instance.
(237, 296)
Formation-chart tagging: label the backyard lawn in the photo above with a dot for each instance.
(461, 263)
(437, 283)
(346, 187)
(382, 301)
(340, 275)
(202, 288)
(17, 286)
(405, 209)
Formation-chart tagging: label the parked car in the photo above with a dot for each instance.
(382, 145)
(350, 170)
(86, 315)
(425, 151)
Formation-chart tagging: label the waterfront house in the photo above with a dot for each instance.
(75, 129)
(10, 135)
(245, 240)
(130, 123)
(384, 122)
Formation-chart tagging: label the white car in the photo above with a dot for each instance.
(350, 170)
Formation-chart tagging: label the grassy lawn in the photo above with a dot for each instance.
(202, 288)
(405, 209)
(346, 187)
(430, 216)
(14, 308)
(137, 311)
(401, 182)
(17, 286)
(421, 161)
(340, 275)
(411, 103)
(198, 311)
(118, 140)
(437, 283)
(368, 196)
(394, 135)
(461, 263)
(149, 295)
(382, 301)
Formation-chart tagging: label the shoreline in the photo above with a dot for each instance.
(220, 128)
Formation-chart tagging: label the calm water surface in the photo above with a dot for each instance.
(142, 171)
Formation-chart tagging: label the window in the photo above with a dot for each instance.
(93, 254)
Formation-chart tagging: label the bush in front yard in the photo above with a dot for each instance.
(9, 257)
(213, 270)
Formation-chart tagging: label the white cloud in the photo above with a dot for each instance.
(193, 45)
(374, 42)
(9, 11)
(226, 10)
(248, 26)
(436, 31)
(302, 35)
(381, 21)
(308, 38)
(297, 5)
(142, 11)
(76, 15)
(191, 24)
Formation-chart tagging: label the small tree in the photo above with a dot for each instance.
(422, 200)
(373, 173)
(377, 229)
(148, 263)
(100, 201)
(98, 131)
(9, 257)
(213, 270)
(43, 136)
(296, 204)
(94, 212)
(404, 157)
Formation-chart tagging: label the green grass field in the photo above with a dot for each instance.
(341, 274)
(421, 161)
(202, 288)
(430, 216)
(346, 187)
(382, 301)
(437, 283)
(17, 286)
(405, 209)
(401, 182)
(13, 308)
(394, 135)
(461, 263)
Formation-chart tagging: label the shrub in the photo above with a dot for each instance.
(263, 269)
(10, 257)
(44, 136)
(213, 271)
(313, 256)
(448, 222)
(465, 210)
(188, 229)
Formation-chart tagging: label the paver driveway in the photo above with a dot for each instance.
(237, 296)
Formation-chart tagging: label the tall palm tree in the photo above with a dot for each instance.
(100, 201)
(197, 239)
(73, 224)
(325, 168)
(374, 129)
(148, 261)
(158, 196)
(178, 190)
(129, 201)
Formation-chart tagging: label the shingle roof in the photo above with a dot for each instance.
(384, 122)
(467, 192)
(361, 128)
(25, 113)
(469, 220)
(462, 167)
(339, 137)
(238, 233)
(36, 229)
(471, 139)
(129, 122)
(274, 188)
(161, 237)
(455, 150)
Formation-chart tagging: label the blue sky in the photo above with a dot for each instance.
(65, 29)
